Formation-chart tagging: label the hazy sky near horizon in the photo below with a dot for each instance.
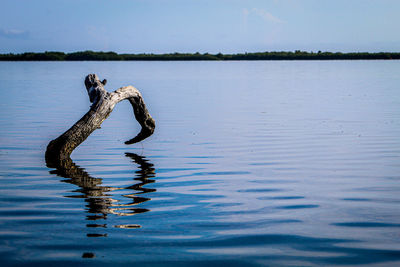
(227, 26)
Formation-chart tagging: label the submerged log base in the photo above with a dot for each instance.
(104, 102)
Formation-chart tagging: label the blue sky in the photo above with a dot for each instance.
(227, 26)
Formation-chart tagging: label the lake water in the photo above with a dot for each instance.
(252, 163)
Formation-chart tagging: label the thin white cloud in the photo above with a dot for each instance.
(265, 15)
(246, 12)
(14, 34)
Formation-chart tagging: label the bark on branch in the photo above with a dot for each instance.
(104, 102)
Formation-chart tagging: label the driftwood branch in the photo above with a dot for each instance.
(103, 103)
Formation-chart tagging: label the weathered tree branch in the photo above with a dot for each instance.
(104, 102)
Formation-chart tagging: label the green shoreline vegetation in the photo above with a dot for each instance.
(112, 56)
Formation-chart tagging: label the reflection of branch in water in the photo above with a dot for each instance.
(99, 200)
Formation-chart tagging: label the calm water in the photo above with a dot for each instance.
(252, 163)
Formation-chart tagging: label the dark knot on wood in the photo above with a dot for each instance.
(104, 102)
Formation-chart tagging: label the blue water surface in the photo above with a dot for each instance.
(261, 163)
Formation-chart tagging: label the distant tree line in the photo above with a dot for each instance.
(105, 56)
